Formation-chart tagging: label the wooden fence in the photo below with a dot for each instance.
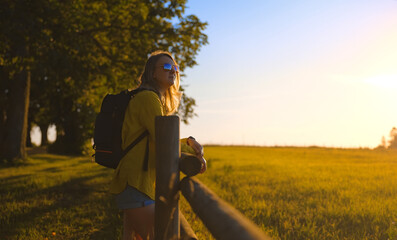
(222, 220)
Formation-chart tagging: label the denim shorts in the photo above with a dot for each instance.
(132, 198)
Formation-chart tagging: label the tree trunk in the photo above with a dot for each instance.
(28, 138)
(17, 118)
(3, 118)
(69, 139)
(44, 139)
(4, 79)
(2, 124)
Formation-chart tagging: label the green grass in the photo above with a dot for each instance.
(291, 193)
(65, 195)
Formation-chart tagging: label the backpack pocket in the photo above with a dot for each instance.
(106, 158)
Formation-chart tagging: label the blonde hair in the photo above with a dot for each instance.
(172, 96)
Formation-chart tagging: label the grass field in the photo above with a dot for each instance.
(291, 193)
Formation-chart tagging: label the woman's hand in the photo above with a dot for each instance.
(198, 149)
(203, 165)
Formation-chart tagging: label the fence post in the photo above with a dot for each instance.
(166, 223)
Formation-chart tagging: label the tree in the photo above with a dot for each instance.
(393, 138)
(383, 144)
(20, 22)
(77, 51)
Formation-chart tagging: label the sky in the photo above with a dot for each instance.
(294, 73)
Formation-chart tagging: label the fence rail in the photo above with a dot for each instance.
(222, 220)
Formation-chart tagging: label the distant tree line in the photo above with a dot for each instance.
(392, 143)
(59, 58)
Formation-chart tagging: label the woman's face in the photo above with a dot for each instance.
(164, 78)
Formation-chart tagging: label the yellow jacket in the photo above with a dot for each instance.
(139, 116)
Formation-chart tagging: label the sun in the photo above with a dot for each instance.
(384, 81)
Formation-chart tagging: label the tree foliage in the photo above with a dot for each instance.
(77, 51)
(391, 143)
(393, 138)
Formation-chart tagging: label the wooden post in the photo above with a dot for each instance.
(222, 220)
(166, 224)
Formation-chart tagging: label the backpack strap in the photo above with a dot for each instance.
(132, 93)
(142, 136)
(146, 162)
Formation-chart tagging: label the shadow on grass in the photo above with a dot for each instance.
(4, 164)
(9, 180)
(32, 160)
(76, 209)
(51, 169)
(50, 158)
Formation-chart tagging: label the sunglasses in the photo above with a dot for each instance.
(169, 67)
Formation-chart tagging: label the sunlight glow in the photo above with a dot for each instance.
(386, 81)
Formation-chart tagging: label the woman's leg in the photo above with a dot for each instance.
(139, 220)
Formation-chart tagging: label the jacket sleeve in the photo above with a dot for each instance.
(150, 107)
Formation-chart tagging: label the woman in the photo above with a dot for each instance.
(135, 187)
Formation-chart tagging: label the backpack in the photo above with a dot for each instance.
(107, 132)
